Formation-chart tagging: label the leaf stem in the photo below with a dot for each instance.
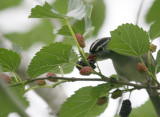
(17, 78)
(79, 49)
(98, 67)
(75, 40)
(46, 86)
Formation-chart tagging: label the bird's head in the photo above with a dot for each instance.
(98, 49)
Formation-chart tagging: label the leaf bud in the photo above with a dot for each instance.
(51, 75)
(153, 48)
(6, 78)
(101, 101)
(141, 68)
(117, 93)
(41, 82)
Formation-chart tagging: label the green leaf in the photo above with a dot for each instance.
(89, 8)
(50, 57)
(76, 9)
(154, 31)
(9, 3)
(69, 41)
(114, 76)
(12, 100)
(45, 11)
(63, 31)
(102, 89)
(78, 27)
(89, 29)
(153, 13)
(9, 60)
(61, 6)
(130, 40)
(145, 110)
(67, 67)
(98, 15)
(88, 32)
(42, 33)
(81, 104)
(158, 61)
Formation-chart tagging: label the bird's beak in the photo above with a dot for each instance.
(92, 56)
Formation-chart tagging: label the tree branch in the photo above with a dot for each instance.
(106, 79)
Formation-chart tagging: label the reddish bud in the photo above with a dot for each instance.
(52, 75)
(101, 101)
(153, 48)
(142, 68)
(41, 82)
(80, 40)
(6, 78)
(86, 70)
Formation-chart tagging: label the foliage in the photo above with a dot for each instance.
(129, 39)
(145, 110)
(98, 19)
(154, 31)
(9, 60)
(74, 16)
(50, 58)
(40, 33)
(12, 100)
(45, 11)
(153, 13)
(81, 104)
(9, 3)
(158, 62)
(78, 27)
(102, 89)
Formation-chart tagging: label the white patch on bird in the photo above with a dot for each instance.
(92, 46)
(101, 46)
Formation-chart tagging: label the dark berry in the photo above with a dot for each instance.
(125, 108)
(83, 64)
(92, 63)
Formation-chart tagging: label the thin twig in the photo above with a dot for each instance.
(106, 79)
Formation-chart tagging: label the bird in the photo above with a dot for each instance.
(125, 66)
